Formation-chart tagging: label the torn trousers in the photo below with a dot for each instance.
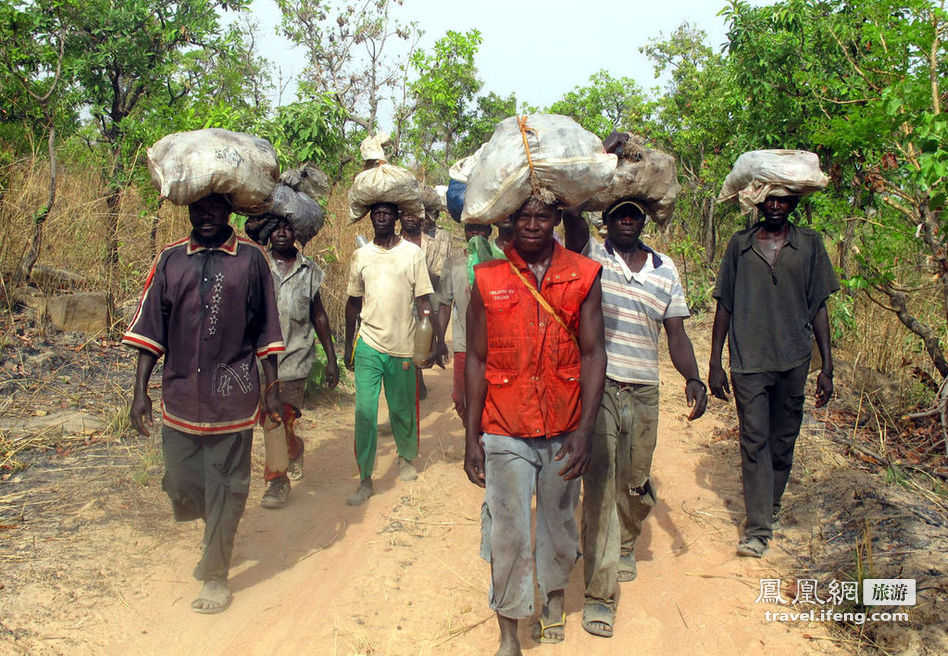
(617, 492)
(208, 477)
(516, 469)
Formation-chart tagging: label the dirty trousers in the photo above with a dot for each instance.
(372, 370)
(617, 492)
(208, 477)
(291, 391)
(516, 468)
(769, 413)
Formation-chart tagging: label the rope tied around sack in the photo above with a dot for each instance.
(539, 192)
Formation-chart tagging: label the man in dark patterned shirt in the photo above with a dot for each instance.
(210, 309)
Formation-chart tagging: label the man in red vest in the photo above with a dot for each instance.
(533, 379)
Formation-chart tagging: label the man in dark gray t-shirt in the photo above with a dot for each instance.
(771, 291)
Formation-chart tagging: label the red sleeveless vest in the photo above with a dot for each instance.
(533, 364)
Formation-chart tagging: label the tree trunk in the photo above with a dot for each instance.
(710, 236)
(25, 270)
(930, 339)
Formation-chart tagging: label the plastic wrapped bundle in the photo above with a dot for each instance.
(307, 179)
(546, 155)
(305, 215)
(433, 203)
(385, 183)
(187, 166)
(760, 173)
(647, 175)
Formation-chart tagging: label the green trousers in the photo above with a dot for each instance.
(372, 370)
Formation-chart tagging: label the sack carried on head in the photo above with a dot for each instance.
(545, 155)
(760, 173)
(308, 179)
(647, 175)
(305, 215)
(385, 183)
(187, 166)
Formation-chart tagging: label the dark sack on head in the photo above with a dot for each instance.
(305, 215)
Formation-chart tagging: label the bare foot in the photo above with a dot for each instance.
(214, 598)
(509, 642)
(551, 627)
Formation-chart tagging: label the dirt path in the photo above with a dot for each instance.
(401, 574)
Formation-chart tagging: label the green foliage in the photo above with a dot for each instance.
(308, 131)
(606, 104)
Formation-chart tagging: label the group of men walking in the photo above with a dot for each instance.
(556, 378)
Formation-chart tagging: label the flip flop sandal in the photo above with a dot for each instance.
(213, 610)
(540, 629)
(598, 618)
(628, 570)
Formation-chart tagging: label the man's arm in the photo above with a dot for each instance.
(353, 309)
(475, 388)
(140, 412)
(717, 379)
(683, 357)
(444, 316)
(435, 355)
(592, 378)
(320, 321)
(824, 381)
(577, 231)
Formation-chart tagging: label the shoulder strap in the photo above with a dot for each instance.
(545, 304)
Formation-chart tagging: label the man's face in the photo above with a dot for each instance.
(624, 226)
(472, 230)
(283, 236)
(383, 217)
(777, 209)
(533, 226)
(209, 217)
(411, 224)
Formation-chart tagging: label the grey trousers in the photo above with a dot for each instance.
(769, 412)
(617, 492)
(208, 477)
(516, 468)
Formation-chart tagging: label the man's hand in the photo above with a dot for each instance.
(332, 373)
(347, 358)
(577, 446)
(436, 356)
(697, 398)
(824, 389)
(140, 414)
(273, 404)
(717, 381)
(474, 462)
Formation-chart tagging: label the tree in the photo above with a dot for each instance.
(491, 110)
(607, 104)
(443, 96)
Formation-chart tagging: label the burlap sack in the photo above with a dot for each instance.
(760, 173)
(547, 155)
(647, 175)
(187, 166)
(385, 183)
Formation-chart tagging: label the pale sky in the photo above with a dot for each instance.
(539, 50)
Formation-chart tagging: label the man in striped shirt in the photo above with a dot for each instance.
(641, 294)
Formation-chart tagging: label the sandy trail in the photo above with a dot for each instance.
(401, 574)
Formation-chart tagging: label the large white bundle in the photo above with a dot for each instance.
(385, 183)
(560, 160)
(760, 173)
(645, 174)
(461, 170)
(304, 214)
(187, 166)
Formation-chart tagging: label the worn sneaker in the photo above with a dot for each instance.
(752, 547)
(277, 493)
(294, 471)
(406, 470)
(627, 568)
(362, 494)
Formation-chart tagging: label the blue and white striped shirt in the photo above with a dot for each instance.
(635, 309)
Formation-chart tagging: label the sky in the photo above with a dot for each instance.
(538, 49)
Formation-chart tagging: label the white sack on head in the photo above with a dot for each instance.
(461, 170)
(305, 215)
(442, 191)
(760, 173)
(372, 148)
(308, 179)
(385, 183)
(647, 175)
(187, 166)
(560, 161)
